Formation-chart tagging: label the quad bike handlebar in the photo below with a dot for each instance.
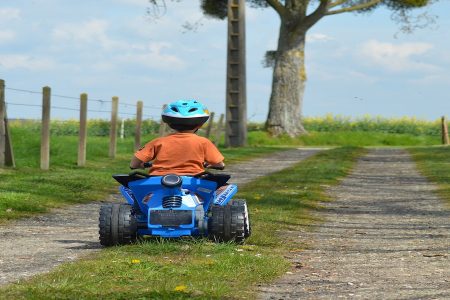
(208, 166)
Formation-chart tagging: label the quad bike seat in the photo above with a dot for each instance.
(125, 179)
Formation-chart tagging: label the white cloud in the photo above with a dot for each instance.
(152, 56)
(103, 66)
(18, 61)
(8, 14)
(397, 58)
(7, 35)
(433, 80)
(318, 37)
(89, 32)
(143, 3)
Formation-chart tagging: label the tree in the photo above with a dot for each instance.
(289, 74)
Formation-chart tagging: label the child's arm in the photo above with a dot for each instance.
(219, 165)
(136, 163)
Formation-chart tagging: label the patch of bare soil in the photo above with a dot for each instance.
(386, 236)
(38, 244)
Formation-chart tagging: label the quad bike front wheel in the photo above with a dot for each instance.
(229, 222)
(117, 224)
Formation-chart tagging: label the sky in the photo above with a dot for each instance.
(357, 64)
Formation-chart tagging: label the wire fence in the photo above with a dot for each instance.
(123, 114)
(122, 122)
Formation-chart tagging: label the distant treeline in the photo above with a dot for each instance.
(328, 123)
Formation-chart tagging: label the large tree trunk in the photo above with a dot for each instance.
(288, 84)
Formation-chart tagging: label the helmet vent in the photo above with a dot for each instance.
(174, 109)
(193, 109)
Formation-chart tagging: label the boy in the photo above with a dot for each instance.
(183, 152)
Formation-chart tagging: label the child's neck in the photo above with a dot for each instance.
(187, 131)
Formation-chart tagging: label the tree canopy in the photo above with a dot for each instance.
(218, 8)
(297, 17)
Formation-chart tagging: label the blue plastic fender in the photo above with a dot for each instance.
(225, 196)
(127, 194)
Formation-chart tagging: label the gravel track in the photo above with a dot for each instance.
(38, 244)
(386, 236)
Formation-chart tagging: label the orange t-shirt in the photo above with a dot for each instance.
(179, 153)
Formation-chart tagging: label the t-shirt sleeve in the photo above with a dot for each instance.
(212, 154)
(146, 153)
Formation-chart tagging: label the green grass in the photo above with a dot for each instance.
(27, 190)
(434, 163)
(188, 268)
(345, 138)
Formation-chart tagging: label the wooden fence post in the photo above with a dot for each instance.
(137, 134)
(9, 153)
(210, 123)
(445, 139)
(163, 125)
(122, 129)
(236, 95)
(113, 129)
(45, 136)
(6, 151)
(219, 129)
(83, 131)
(2, 124)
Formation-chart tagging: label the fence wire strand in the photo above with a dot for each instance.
(76, 109)
(102, 101)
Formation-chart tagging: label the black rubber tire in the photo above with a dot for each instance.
(226, 224)
(117, 224)
(242, 204)
(215, 223)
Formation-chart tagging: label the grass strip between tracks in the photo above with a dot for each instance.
(189, 268)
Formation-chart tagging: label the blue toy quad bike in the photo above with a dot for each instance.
(173, 206)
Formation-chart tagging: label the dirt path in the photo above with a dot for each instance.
(387, 236)
(38, 244)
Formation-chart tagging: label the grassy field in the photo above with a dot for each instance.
(434, 163)
(65, 183)
(27, 189)
(345, 138)
(185, 269)
(327, 130)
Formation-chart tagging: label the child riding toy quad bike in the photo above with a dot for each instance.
(170, 201)
(174, 206)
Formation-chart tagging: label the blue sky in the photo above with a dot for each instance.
(356, 64)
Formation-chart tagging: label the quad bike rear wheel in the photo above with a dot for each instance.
(117, 224)
(242, 207)
(228, 223)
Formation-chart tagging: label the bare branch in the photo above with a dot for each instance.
(277, 6)
(336, 3)
(157, 9)
(409, 22)
(354, 7)
(316, 15)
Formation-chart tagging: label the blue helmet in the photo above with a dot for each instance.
(185, 113)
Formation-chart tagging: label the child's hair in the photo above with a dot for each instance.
(182, 127)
